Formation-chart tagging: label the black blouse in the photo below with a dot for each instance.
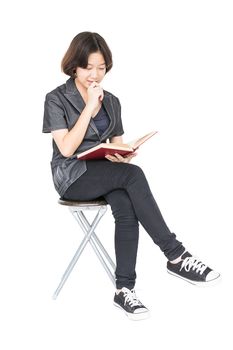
(101, 120)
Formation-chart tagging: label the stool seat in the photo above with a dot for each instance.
(77, 203)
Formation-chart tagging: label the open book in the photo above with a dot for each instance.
(101, 150)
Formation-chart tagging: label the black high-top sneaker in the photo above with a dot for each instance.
(129, 303)
(192, 270)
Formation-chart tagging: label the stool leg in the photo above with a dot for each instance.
(79, 251)
(96, 245)
(101, 247)
(95, 238)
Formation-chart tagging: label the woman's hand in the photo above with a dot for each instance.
(117, 158)
(95, 96)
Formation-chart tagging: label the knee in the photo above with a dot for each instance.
(135, 170)
(134, 174)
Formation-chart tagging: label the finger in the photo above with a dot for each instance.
(128, 159)
(118, 156)
(102, 96)
(107, 156)
(111, 158)
(130, 156)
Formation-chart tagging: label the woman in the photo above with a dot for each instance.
(80, 115)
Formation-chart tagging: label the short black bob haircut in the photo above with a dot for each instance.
(79, 50)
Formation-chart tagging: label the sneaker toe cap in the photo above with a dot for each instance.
(141, 310)
(212, 275)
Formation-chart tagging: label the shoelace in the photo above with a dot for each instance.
(131, 297)
(194, 263)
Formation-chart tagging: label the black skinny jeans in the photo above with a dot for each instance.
(125, 187)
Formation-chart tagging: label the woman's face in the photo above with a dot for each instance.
(95, 70)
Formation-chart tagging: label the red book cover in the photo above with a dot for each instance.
(100, 151)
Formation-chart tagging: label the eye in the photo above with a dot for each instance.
(100, 68)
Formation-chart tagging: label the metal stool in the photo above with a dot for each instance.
(77, 208)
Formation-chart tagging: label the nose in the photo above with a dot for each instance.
(94, 74)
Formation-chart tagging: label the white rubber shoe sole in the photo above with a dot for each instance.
(135, 317)
(199, 284)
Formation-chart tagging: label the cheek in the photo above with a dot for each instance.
(82, 74)
(101, 75)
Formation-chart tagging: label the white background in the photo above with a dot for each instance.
(172, 73)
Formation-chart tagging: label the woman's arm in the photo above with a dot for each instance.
(116, 139)
(69, 141)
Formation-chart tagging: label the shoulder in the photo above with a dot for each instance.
(56, 93)
(113, 97)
